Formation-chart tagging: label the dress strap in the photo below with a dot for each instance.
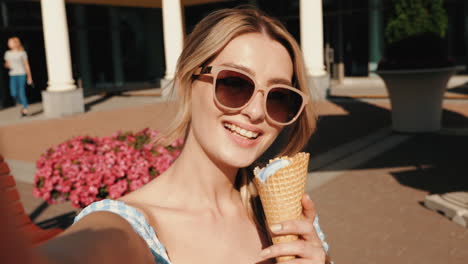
(136, 219)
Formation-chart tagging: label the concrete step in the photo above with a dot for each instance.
(453, 205)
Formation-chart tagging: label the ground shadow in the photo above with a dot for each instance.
(35, 113)
(433, 162)
(61, 221)
(335, 130)
(99, 100)
(460, 89)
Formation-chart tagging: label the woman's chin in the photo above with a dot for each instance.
(237, 160)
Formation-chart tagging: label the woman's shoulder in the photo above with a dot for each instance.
(131, 214)
(16, 53)
(137, 220)
(113, 206)
(23, 53)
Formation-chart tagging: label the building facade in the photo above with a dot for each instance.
(117, 45)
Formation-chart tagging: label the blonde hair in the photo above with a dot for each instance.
(18, 41)
(206, 41)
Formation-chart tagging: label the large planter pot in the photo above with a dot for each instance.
(416, 97)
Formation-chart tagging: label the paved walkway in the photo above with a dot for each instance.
(367, 182)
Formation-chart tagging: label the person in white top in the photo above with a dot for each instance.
(16, 60)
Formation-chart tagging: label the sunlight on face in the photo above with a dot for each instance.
(225, 136)
(13, 44)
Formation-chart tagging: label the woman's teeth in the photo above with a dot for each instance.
(241, 131)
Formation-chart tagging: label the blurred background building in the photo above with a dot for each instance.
(118, 45)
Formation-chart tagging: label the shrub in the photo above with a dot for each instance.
(416, 17)
(415, 35)
(87, 169)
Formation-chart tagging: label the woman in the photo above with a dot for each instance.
(16, 60)
(234, 80)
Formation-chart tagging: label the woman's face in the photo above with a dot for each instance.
(13, 44)
(214, 129)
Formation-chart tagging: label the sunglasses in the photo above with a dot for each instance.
(234, 89)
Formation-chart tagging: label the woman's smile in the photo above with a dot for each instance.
(243, 135)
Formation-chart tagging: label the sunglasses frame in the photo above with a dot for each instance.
(215, 70)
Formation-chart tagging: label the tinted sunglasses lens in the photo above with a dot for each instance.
(233, 89)
(283, 104)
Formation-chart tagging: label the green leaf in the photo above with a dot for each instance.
(416, 17)
(40, 183)
(103, 192)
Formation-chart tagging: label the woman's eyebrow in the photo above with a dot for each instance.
(249, 71)
(279, 81)
(240, 67)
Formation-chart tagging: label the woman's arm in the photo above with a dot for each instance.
(6, 65)
(100, 237)
(28, 71)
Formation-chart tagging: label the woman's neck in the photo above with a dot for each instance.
(199, 181)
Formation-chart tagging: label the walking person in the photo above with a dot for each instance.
(16, 60)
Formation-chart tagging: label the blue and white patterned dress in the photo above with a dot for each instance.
(141, 226)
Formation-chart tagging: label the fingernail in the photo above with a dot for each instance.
(276, 227)
(308, 197)
(264, 253)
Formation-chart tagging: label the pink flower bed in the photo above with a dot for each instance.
(88, 169)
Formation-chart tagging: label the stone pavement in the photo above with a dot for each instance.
(368, 183)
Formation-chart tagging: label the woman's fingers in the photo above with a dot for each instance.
(303, 228)
(302, 261)
(308, 249)
(300, 248)
(292, 227)
(308, 208)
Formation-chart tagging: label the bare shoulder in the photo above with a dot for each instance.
(101, 237)
(101, 220)
(147, 198)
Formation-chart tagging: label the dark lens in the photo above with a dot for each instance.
(283, 104)
(233, 89)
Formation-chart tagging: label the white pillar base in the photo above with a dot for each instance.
(320, 86)
(59, 104)
(372, 68)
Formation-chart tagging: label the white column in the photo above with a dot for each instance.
(61, 97)
(311, 19)
(57, 46)
(173, 34)
(312, 47)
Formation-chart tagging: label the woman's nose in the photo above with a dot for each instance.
(254, 110)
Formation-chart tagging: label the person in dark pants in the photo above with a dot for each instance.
(16, 60)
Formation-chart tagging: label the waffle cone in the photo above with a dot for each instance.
(281, 195)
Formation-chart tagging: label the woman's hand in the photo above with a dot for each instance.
(308, 248)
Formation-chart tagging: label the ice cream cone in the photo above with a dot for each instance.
(281, 194)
